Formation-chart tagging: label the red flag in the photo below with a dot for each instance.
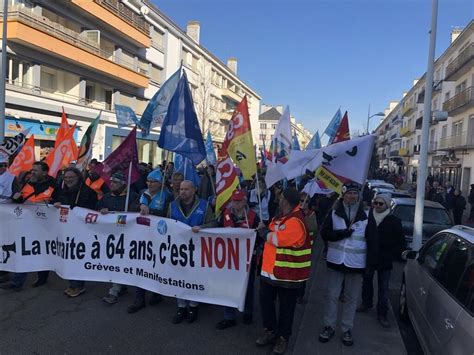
(25, 158)
(342, 133)
(63, 154)
(227, 181)
(120, 158)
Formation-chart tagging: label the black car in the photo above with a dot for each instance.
(435, 217)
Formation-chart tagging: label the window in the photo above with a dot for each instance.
(156, 38)
(446, 96)
(464, 293)
(156, 74)
(444, 131)
(457, 128)
(263, 126)
(453, 265)
(433, 252)
(274, 126)
(263, 137)
(461, 87)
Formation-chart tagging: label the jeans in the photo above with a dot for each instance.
(383, 280)
(184, 303)
(76, 284)
(286, 310)
(140, 295)
(18, 279)
(230, 313)
(352, 285)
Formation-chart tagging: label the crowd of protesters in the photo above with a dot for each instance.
(360, 239)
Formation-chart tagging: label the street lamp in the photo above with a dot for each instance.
(369, 117)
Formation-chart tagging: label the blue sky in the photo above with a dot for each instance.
(319, 55)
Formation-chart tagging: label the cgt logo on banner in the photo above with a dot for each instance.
(210, 266)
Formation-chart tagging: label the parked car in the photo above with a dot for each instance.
(437, 292)
(435, 217)
(391, 193)
(380, 184)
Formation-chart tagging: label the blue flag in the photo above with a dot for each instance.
(332, 127)
(180, 132)
(156, 110)
(210, 152)
(186, 167)
(315, 142)
(125, 116)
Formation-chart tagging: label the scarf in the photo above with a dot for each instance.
(379, 217)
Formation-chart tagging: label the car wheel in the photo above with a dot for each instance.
(403, 304)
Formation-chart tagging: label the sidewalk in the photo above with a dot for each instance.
(369, 336)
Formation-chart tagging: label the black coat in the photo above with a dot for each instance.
(116, 202)
(391, 240)
(450, 199)
(87, 197)
(330, 235)
(459, 204)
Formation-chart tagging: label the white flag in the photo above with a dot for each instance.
(279, 150)
(312, 188)
(349, 159)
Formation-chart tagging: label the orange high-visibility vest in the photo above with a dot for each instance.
(29, 194)
(96, 186)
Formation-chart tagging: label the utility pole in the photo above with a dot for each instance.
(422, 171)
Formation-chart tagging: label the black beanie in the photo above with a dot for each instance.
(292, 196)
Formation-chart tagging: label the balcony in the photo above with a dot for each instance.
(405, 131)
(408, 107)
(395, 137)
(120, 18)
(460, 65)
(432, 147)
(455, 142)
(394, 154)
(460, 102)
(231, 95)
(403, 152)
(39, 33)
(396, 119)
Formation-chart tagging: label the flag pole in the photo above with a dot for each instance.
(128, 185)
(258, 198)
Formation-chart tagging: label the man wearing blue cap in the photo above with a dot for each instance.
(154, 201)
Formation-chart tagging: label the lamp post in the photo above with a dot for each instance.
(369, 117)
(3, 69)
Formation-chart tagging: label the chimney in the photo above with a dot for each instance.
(193, 30)
(455, 32)
(232, 64)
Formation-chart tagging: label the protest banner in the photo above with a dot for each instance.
(157, 254)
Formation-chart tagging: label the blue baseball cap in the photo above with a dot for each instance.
(155, 175)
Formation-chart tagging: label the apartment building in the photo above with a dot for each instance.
(451, 141)
(88, 55)
(268, 121)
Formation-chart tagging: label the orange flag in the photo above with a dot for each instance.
(63, 154)
(63, 129)
(342, 133)
(25, 158)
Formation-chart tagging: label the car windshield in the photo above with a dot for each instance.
(430, 215)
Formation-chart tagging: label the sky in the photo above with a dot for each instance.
(319, 55)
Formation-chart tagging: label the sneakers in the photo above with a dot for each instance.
(267, 338)
(326, 334)
(155, 299)
(192, 314)
(363, 308)
(280, 346)
(110, 299)
(383, 321)
(226, 323)
(180, 315)
(136, 306)
(74, 292)
(347, 338)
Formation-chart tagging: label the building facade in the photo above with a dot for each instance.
(451, 140)
(88, 55)
(268, 121)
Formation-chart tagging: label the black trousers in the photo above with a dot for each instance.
(283, 323)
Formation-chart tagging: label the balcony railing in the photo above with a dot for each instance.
(395, 136)
(403, 152)
(394, 154)
(122, 11)
(65, 34)
(461, 101)
(405, 131)
(465, 56)
(408, 107)
(432, 146)
(457, 141)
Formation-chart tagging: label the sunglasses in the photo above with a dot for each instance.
(378, 203)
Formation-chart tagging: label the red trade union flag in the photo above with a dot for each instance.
(342, 133)
(227, 181)
(238, 142)
(119, 160)
(63, 154)
(25, 158)
(63, 129)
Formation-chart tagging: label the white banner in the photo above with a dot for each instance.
(157, 254)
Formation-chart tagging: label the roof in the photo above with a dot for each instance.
(270, 115)
(464, 232)
(412, 202)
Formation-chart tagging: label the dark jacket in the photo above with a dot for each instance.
(116, 202)
(206, 188)
(440, 198)
(459, 203)
(391, 242)
(330, 235)
(471, 196)
(450, 199)
(87, 197)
